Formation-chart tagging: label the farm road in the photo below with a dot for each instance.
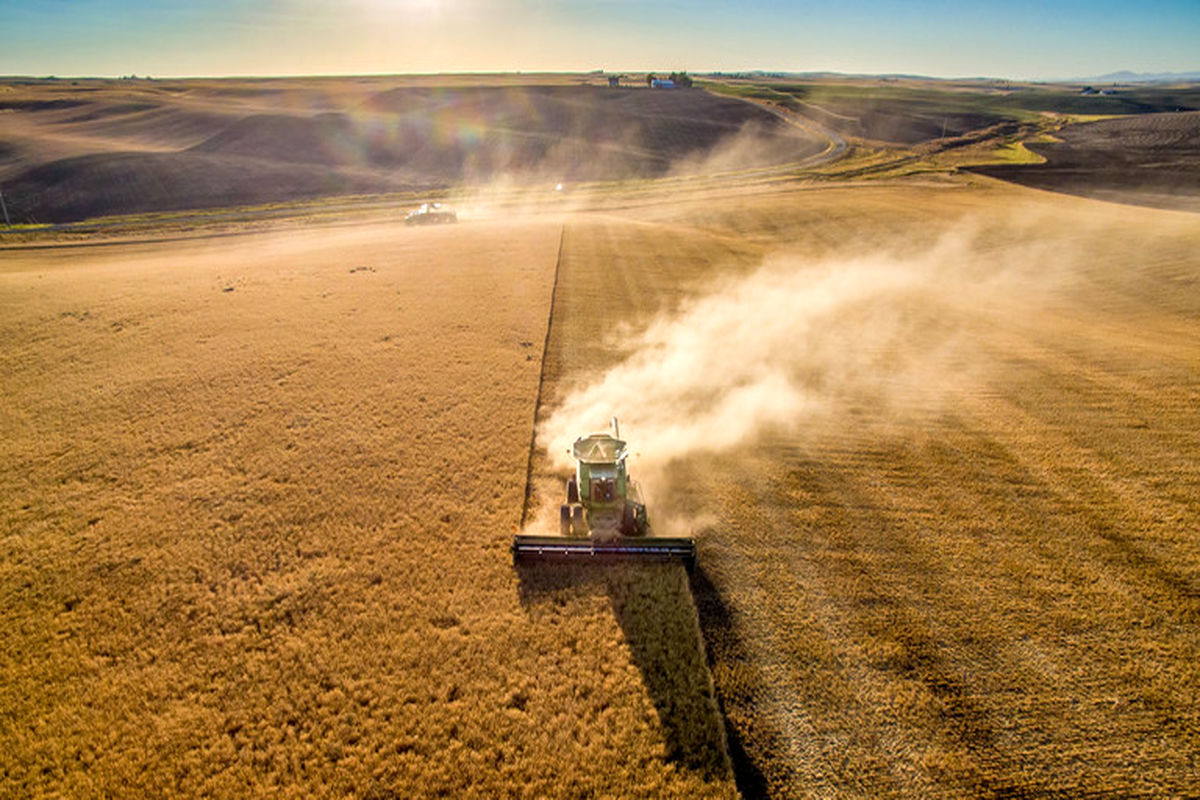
(837, 144)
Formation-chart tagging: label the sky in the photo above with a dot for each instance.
(1017, 39)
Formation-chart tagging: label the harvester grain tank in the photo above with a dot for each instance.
(604, 516)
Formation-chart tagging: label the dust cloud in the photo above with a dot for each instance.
(845, 346)
(571, 173)
(753, 146)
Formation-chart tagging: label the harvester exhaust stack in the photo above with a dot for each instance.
(604, 517)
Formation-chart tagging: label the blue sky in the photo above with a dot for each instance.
(1020, 39)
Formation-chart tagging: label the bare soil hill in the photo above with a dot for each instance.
(69, 152)
(1152, 160)
(907, 111)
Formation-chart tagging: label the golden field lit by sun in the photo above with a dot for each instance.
(264, 447)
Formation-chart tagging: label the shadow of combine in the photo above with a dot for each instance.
(720, 632)
(652, 604)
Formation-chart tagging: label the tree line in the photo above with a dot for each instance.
(677, 78)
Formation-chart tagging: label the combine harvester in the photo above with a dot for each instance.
(604, 518)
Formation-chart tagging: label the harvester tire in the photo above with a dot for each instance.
(579, 525)
(564, 520)
(572, 491)
(629, 525)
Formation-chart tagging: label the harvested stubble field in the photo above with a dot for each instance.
(962, 560)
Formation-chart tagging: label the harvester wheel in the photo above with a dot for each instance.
(580, 527)
(572, 491)
(629, 521)
(564, 520)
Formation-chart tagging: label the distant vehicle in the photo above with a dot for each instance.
(431, 214)
(662, 83)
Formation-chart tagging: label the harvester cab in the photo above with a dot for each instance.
(604, 516)
(602, 500)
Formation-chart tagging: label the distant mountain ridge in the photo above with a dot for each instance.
(1126, 76)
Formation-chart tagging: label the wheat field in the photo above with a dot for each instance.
(257, 497)
(257, 490)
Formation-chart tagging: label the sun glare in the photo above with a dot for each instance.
(411, 7)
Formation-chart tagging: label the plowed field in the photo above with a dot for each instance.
(1150, 159)
(70, 151)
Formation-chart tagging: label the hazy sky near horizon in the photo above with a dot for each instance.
(1022, 39)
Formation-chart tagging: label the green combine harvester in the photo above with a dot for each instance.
(604, 518)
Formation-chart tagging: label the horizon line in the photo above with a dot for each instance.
(1184, 75)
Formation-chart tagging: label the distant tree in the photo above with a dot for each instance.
(650, 78)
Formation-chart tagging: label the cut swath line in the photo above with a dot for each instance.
(537, 406)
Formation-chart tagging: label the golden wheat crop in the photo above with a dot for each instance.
(257, 493)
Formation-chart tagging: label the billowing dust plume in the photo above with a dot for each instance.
(573, 173)
(753, 146)
(840, 346)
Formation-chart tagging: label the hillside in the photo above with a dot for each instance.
(76, 151)
(1151, 159)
